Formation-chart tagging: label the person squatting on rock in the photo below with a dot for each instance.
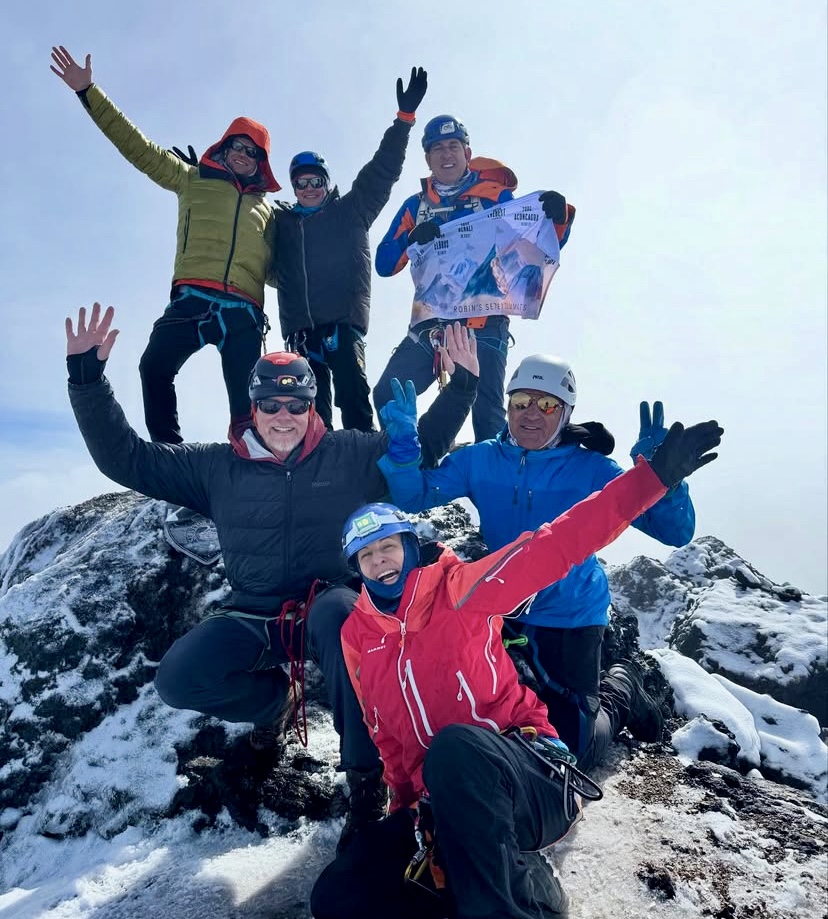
(536, 468)
(322, 264)
(222, 250)
(279, 493)
(458, 187)
(444, 706)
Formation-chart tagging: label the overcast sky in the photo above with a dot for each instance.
(690, 137)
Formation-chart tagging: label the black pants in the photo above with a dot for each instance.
(229, 668)
(494, 806)
(337, 352)
(567, 664)
(188, 323)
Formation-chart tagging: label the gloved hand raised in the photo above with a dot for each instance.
(189, 158)
(399, 418)
(652, 431)
(554, 206)
(684, 450)
(424, 232)
(409, 98)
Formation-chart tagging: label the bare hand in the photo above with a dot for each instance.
(460, 349)
(72, 74)
(97, 334)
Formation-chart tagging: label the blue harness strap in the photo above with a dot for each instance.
(217, 305)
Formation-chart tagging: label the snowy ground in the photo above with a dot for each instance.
(652, 847)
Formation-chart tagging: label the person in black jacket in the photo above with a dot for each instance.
(279, 494)
(322, 264)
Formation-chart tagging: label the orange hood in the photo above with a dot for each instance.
(259, 135)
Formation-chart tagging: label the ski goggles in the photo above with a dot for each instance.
(241, 147)
(520, 401)
(309, 182)
(274, 406)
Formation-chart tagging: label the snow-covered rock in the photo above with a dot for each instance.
(100, 782)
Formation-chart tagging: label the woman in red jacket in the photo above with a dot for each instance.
(453, 725)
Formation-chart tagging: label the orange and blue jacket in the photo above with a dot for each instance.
(493, 183)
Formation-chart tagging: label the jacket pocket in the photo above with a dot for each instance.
(465, 690)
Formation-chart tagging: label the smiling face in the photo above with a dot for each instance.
(282, 432)
(382, 560)
(448, 159)
(530, 428)
(238, 158)
(309, 196)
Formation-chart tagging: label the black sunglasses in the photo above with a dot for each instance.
(241, 147)
(274, 406)
(312, 181)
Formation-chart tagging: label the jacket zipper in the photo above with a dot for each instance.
(310, 324)
(186, 231)
(491, 574)
(465, 689)
(233, 240)
(410, 682)
(287, 523)
(519, 472)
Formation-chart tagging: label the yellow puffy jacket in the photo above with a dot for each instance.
(224, 228)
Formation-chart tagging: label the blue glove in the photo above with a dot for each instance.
(399, 418)
(652, 431)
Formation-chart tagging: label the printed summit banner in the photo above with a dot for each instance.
(499, 261)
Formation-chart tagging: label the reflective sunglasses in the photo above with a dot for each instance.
(241, 147)
(520, 401)
(274, 406)
(309, 181)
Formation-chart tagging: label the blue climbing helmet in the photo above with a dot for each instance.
(308, 161)
(370, 523)
(444, 127)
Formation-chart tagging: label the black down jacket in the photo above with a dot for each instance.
(322, 261)
(280, 526)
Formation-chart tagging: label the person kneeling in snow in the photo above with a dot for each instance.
(460, 738)
(279, 494)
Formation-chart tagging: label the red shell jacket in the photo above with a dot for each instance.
(439, 660)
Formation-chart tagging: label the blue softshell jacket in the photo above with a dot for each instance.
(515, 490)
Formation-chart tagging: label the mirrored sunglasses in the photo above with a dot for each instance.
(309, 182)
(520, 401)
(274, 406)
(241, 147)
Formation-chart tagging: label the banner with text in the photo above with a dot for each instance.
(495, 262)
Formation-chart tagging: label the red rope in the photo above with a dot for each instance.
(292, 615)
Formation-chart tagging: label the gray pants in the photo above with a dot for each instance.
(413, 359)
(229, 668)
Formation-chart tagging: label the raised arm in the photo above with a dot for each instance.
(160, 165)
(372, 186)
(501, 581)
(425, 442)
(178, 474)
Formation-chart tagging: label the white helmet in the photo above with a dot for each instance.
(545, 373)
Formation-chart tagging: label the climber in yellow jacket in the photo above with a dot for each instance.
(222, 249)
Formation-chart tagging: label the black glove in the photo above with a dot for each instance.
(84, 368)
(591, 434)
(684, 450)
(191, 160)
(409, 98)
(424, 232)
(554, 206)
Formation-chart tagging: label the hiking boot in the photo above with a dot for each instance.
(367, 802)
(624, 683)
(272, 738)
